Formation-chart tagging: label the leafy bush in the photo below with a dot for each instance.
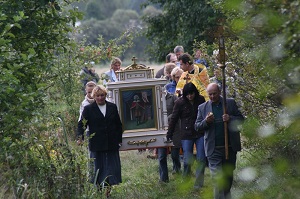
(39, 100)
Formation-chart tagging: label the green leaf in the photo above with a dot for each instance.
(4, 41)
(17, 25)
(24, 56)
(10, 35)
(21, 13)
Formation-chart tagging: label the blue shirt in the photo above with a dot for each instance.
(171, 87)
(201, 61)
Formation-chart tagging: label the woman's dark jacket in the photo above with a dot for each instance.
(187, 112)
(105, 133)
(170, 101)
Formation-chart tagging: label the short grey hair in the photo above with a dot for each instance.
(178, 49)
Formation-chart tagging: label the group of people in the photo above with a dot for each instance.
(195, 125)
(197, 121)
(88, 73)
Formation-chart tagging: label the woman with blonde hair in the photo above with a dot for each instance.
(111, 75)
(175, 75)
(105, 137)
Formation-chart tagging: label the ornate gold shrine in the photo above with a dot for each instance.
(135, 71)
(140, 99)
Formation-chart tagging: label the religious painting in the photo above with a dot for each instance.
(138, 107)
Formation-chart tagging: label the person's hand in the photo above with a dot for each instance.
(178, 92)
(226, 117)
(79, 141)
(169, 138)
(92, 70)
(210, 117)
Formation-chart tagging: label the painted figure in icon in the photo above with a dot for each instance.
(137, 110)
(147, 105)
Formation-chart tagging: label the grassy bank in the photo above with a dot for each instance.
(140, 177)
(141, 180)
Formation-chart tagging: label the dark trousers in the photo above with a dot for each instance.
(221, 168)
(176, 159)
(162, 160)
(91, 167)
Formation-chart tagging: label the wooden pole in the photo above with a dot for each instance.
(222, 66)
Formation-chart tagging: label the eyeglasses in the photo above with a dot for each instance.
(177, 77)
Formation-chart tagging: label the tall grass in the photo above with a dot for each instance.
(141, 180)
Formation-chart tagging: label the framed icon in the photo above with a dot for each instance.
(138, 105)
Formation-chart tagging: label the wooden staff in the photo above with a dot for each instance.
(222, 66)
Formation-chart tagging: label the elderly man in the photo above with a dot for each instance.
(210, 119)
(178, 50)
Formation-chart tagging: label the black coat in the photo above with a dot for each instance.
(105, 133)
(170, 101)
(187, 112)
(160, 72)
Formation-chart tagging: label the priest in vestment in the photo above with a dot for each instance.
(195, 73)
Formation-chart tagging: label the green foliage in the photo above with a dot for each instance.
(122, 17)
(101, 9)
(39, 99)
(263, 56)
(33, 35)
(93, 11)
(109, 20)
(180, 23)
(106, 50)
(107, 29)
(40, 96)
(30, 32)
(123, 24)
(104, 9)
(207, 54)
